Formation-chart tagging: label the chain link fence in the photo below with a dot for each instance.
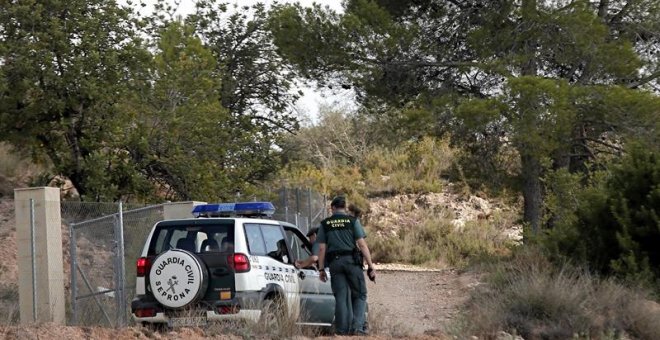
(303, 207)
(102, 241)
(8, 264)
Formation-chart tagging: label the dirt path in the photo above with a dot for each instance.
(417, 302)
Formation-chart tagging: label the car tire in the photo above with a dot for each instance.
(178, 279)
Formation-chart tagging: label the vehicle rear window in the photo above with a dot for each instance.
(194, 236)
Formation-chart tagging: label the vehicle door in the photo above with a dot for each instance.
(276, 262)
(317, 301)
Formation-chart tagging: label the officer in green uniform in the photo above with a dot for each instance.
(337, 238)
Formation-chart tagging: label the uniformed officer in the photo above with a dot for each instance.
(337, 238)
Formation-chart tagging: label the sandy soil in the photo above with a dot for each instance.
(415, 302)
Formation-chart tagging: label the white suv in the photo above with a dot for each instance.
(229, 262)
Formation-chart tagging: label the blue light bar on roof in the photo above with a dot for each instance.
(234, 209)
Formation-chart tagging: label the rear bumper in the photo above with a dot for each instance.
(247, 304)
(244, 314)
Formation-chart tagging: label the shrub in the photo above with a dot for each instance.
(9, 303)
(439, 243)
(530, 296)
(615, 225)
(413, 167)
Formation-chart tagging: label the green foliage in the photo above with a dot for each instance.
(256, 86)
(492, 75)
(70, 64)
(143, 108)
(614, 225)
(349, 49)
(413, 167)
(183, 139)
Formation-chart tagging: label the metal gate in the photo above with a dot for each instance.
(99, 249)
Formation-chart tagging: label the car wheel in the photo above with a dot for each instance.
(178, 279)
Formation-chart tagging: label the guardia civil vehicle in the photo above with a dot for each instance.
(229, 261)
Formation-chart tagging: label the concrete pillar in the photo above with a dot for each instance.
(49, 270)
(179, 210)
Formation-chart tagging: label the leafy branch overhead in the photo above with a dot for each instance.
(141, 107)
(553, 80)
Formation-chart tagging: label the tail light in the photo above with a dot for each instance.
(145, 312)
(239, 263)
(143, 266)
(229, 309)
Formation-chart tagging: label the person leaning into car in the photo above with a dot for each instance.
(337, 238)
(311, 260)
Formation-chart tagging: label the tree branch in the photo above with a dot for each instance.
(275, 123)
(603, 143)
(644, 80)
(434, 64)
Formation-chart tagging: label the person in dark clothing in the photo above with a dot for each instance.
(313, 258)
(354, 210)
(337, 237)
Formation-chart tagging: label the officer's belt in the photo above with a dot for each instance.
(337, 253)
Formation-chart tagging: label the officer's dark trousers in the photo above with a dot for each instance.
(350, 291)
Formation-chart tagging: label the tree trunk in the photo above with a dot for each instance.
(531, 165)
(531, 178)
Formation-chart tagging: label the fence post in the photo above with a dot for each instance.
(286, 204)
(119, 290)
(34, 262)
(309, 209)
(297, 202)
(325, 200)
(49, 274)
(74, 280)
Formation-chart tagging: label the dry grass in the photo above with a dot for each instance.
(278, 321)
(380, 324)
(9, 304)
(531, 297)
(435, 241)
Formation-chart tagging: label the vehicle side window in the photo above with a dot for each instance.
(275, 243)
(255, 239)
(299, 252)
(178, 236)
(161, 246)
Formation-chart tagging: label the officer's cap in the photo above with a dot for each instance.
(338, 202)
